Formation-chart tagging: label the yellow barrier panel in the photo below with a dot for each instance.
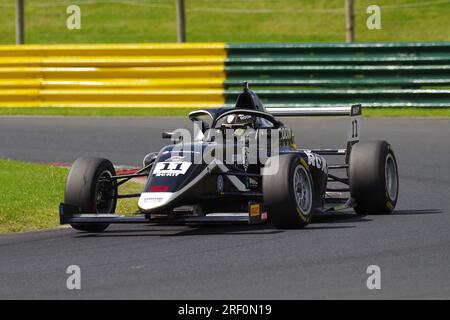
(150, 49)
(117, 75)
(108, 72)
(199, 83)
(120, 61)
(115, 97)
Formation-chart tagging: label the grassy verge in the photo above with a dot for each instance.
(406, 112)
(226, 20)
(26, 205)
(183, 112)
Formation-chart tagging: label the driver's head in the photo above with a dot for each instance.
(241, 119)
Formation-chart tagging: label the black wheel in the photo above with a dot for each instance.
(89, 188)
(373, 177)
(288, 194)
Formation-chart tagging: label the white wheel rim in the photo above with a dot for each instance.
(302, 189)
(391, 177)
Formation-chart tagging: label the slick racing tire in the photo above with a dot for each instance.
(288, 193)
(373, 177)
(89, 188)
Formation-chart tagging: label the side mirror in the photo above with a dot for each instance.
(149, 158)
(167, 135)
(171, 135)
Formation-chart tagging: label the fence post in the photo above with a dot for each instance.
(349, 21)
(181, 23)
(20, 30)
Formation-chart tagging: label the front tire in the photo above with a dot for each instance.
(373, 177)
(89, 188)
(288, 194)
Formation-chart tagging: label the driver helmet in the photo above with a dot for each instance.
(241, 119)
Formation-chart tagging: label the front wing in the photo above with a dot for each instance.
(72, 215)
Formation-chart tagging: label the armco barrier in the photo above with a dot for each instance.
(142, 75)
(210, 74)
(373, 74)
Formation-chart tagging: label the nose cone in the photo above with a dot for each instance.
(153, 200)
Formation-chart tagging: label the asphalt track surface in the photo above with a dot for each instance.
(328, 259)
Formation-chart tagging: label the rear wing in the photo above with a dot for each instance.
(353, 111)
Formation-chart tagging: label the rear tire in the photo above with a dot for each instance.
(288, 194)
(373, 177)
(88, 189)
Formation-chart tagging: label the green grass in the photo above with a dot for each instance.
(183, 112)
(30, 194)
(25, 204)
(227, 21)
(407, 112)
(122, 21)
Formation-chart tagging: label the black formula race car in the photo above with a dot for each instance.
(240, 165)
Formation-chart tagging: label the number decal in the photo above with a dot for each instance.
(170, 169)
(353, 132)
(354, 128)
(178, 166)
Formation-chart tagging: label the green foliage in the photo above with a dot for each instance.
(227, 21)
(30, 194)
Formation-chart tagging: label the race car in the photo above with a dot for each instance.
(240, 166)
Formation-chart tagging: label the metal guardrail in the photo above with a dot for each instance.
(113, 75)
(209, 74)
(374, 74)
